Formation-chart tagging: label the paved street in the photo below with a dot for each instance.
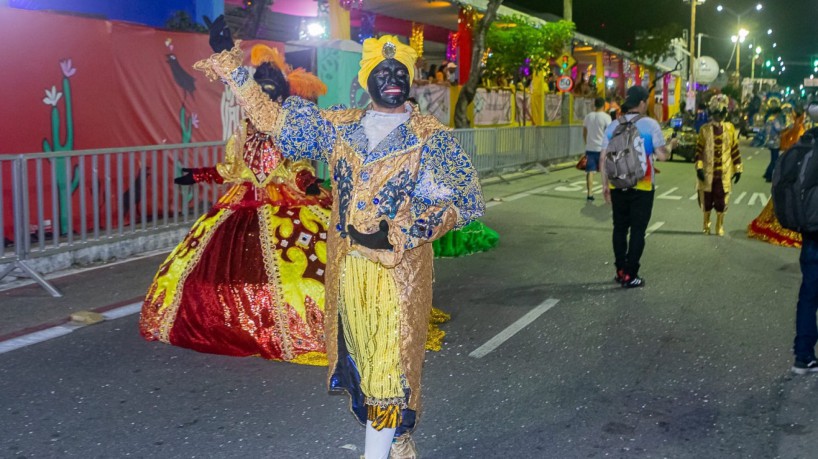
(545, 357)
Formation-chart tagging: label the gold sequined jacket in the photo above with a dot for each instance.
(717, 152)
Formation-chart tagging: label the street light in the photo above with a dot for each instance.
(720, 8)
(753, 64)
(691, 75)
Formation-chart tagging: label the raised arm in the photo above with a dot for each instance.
(298, 126)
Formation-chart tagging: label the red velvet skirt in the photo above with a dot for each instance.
(247, 279)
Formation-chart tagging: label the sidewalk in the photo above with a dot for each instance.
(29, 307)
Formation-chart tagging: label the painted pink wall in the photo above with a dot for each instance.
(292, 7)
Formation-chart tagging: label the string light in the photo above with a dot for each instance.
(352, 4)
(416, 39)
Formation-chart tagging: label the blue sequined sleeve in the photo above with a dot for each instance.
(446, 180)
(304, 133)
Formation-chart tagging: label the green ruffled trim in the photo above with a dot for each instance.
(472, 238)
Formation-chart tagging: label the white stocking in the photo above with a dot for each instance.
(378, 442)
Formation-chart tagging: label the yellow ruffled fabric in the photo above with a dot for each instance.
(370, 308)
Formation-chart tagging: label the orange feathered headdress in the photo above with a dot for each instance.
(302, 83)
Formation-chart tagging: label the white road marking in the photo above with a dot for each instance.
(667, 195)
(37, 337)
(653, 228)
(761, 197)
(574, 186)
(517, 196)
(56, 331)
(541, 189)
(122, 311)
(740, 197)
(512, 329)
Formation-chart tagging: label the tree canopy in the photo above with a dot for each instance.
(656, 45)
(518, 47)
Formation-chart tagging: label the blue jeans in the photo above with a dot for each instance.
(768, 174)
(806, 331)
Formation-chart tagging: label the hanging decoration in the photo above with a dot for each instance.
(466, 19)
(525, 69)
(339, 24)
(451, 47)
(367, 28)
(352, 4)
(416, 38)
(467, 16)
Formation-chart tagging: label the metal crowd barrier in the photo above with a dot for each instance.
(496, 150)
(60, 201)
(63, 201)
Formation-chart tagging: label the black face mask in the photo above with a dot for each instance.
(272, 82)
(388, 84)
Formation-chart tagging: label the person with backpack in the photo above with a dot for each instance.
(795, 200)
(718, 162)
(631, 144)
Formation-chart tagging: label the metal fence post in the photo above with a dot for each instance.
(21, 232)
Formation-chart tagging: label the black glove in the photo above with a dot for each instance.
(700, 174)
(377, 240)
(312, 189)
(220, 37)
(736, 177)
(186, 179)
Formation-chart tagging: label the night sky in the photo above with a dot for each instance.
(794, 24)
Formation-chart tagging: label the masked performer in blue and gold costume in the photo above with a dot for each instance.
(399, 181)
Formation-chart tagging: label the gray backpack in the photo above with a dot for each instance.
(623, 163)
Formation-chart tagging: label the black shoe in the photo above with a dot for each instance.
(633, 282)
(620, 276)
(590, 198)
(802, 368)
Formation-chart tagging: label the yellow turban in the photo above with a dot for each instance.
(377, 50)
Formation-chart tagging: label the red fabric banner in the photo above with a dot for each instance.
(112, 84)
(74, 83)
(464, 38)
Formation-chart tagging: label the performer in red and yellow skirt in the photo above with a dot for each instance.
(248, 279)
(765, 227)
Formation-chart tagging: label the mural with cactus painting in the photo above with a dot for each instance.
(67, 177)
(97, 84)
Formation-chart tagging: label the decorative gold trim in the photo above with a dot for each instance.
(165, 326)
(274, 282)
